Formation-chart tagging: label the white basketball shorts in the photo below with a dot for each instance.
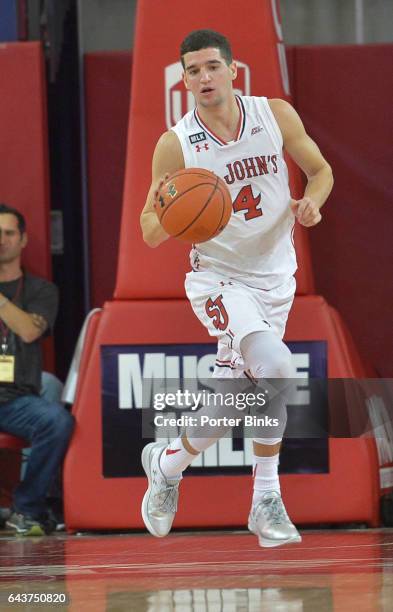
(231, 310)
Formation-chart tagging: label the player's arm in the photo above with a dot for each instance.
(28, 326)
(308, 157)
(167, 159)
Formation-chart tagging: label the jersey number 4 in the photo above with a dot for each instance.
(245, 200)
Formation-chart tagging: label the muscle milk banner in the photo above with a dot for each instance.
(134, 376)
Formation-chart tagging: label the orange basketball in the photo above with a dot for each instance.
(194, 205)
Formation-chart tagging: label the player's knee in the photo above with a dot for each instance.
(267, 356)
(280, 363)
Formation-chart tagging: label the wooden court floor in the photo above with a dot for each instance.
(331, 570)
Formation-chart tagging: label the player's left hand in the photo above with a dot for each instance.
(306, 211)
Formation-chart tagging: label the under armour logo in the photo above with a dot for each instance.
(200, 147)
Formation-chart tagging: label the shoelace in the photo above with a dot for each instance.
(166, 499)
(273, 510)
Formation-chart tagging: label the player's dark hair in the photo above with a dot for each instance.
(8, 210)
(203, 39)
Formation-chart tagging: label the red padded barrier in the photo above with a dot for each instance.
(107, 88)
(142, 272)
(343, 95)
(115, 502)
(24, 170)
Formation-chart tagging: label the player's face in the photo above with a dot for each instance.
(208, 76)
(11, 240)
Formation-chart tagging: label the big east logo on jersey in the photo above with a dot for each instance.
(178, 101)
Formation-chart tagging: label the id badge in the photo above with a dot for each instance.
(7, 368)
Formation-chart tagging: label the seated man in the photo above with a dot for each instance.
(28, 307)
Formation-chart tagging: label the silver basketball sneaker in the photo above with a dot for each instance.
(159, 503)
(270, 522)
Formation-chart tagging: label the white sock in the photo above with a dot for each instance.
(265, 476)
(175, 459)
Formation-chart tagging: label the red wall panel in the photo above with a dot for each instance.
(24, 175)
(107, 89)
(344, 97)
(24, 164)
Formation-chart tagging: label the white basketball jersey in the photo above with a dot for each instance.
(256, 247)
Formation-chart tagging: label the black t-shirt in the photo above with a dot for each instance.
(37, 296)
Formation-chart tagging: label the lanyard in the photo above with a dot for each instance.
(3, 327)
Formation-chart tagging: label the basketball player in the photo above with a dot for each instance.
(247, 270)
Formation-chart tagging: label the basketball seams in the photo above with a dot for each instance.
(222, 213)
(198, 213)
(202, 210)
